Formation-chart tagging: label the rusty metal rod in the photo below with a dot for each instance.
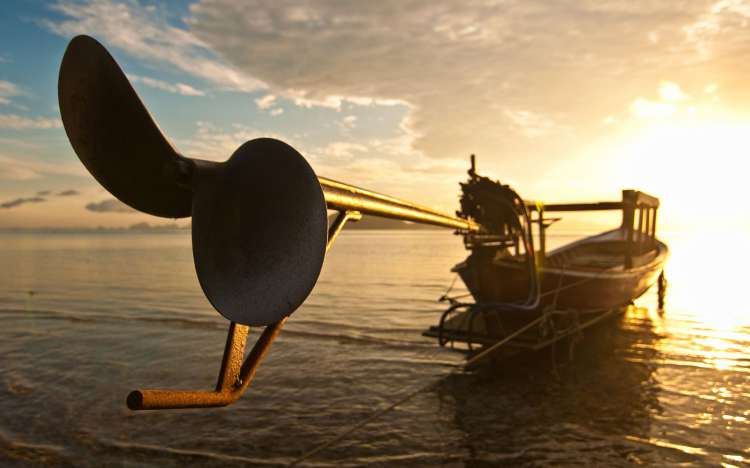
(234, 376)
(344, 197)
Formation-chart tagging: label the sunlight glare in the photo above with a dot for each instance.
(697, 168)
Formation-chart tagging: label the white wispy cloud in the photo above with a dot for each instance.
(646, 109)
(670, 101)
(349, 122)
(217, 144)
(13, 167)
(20, 143)
(720, 27)
(19, 122)
(530, 123)
(386, 164)
(265, 102)
(669, 91)
(141, 32)
(175, 88)
(269, 102)
(7, 91)
(343, 150)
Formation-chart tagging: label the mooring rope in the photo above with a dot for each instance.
(378, 413)
(487, 352)
(450, 288)
(375, 415)
(454, 368)
(458, 367)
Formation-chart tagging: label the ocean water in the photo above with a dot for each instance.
(85, 318)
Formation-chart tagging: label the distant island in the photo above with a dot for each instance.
(366, 223)
(138, 227)
(374, 223)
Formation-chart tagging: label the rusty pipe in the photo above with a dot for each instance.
(234, 378)
(344, 197)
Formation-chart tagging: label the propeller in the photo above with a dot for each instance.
(259, 222)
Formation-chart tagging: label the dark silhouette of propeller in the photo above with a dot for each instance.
(259, 219)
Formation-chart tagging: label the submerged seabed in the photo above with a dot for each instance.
(87, 317)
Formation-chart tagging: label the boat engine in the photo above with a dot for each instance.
(508, 232)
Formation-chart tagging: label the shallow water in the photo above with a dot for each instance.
(88, 317)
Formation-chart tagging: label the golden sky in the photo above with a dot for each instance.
(564, 100)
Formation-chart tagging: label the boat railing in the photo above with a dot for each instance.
(641, 208)
(638, 220)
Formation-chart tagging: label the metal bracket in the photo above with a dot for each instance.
(235, 375)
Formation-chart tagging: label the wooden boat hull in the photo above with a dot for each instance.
(567, 286)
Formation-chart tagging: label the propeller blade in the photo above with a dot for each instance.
(115, 136)
(259, 231)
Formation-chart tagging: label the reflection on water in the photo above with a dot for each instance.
(537, 408)
(86, 318)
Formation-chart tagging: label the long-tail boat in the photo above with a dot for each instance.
(514, 283)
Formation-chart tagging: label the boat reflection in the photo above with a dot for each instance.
(545, 407)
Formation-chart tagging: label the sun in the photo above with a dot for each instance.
(698, 168)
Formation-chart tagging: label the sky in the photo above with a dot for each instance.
(564, 100)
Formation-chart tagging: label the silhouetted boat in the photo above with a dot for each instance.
(527, 297)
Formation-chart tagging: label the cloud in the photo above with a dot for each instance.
(18, 172)
(342, 150)
(386, 164)
(530, 123)
(38, 198)
(525, 83)
(645, 109)
(519, 83)
(111, 205)
(721, 25)
(18, 122)
(671, 101)
(348, 122)
(144, 33)
(27, 168)
(669, 91)
(265, 102)
(21, 144)
(176, 88)
(217, 144)
(7, 91)
(68, 193)
(21, 201)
